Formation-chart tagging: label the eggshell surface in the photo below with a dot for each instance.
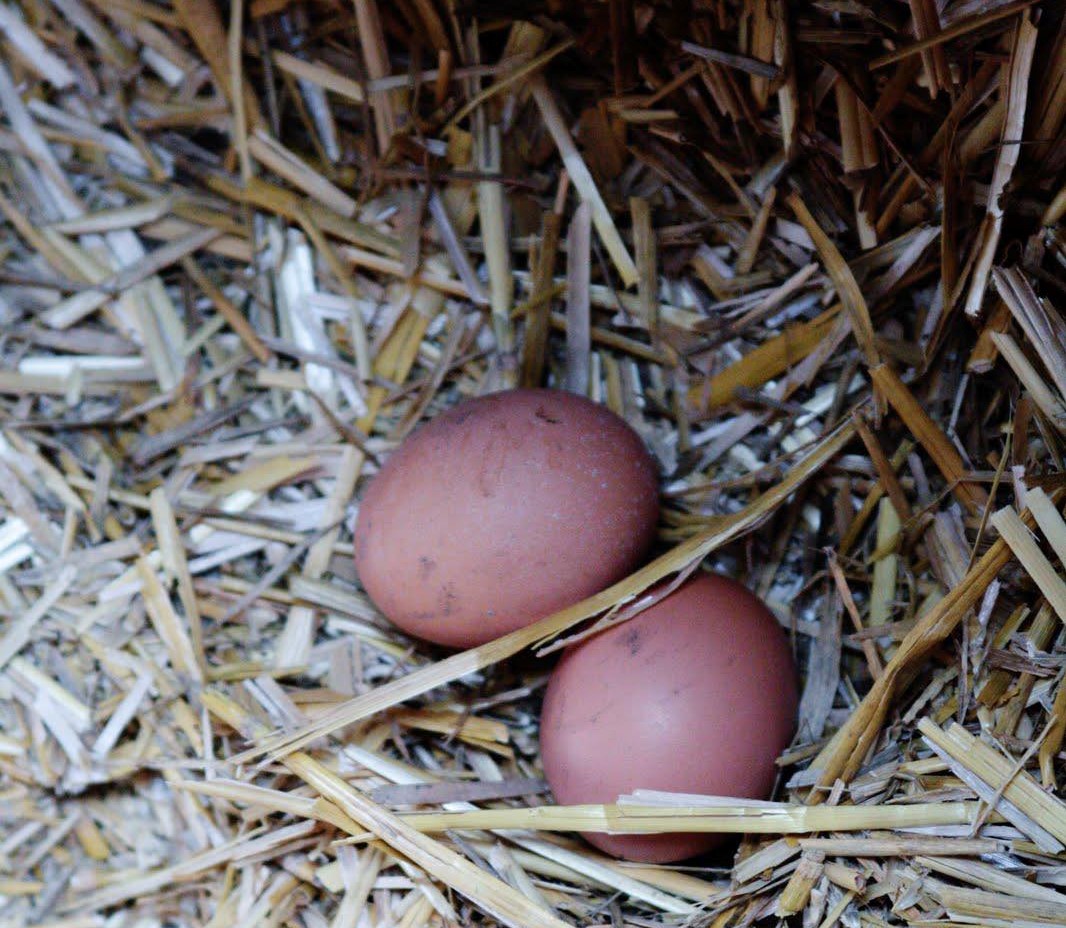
(502, 510)
(697, 694)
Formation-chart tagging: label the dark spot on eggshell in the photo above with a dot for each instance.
(517, 522)
(448, 601)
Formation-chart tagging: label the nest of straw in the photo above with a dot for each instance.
(811, 251)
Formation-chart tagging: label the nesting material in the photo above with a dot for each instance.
(811, 252)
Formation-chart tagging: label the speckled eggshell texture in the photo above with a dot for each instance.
(697, 694)
(503, 510)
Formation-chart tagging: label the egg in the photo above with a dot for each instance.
(697, 694)
(503, 510)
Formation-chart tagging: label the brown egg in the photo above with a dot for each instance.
(697, 694)
(503, 510)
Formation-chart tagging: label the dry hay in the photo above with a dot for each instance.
(811, 252)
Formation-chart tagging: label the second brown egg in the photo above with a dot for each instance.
(503, 510)
(696, 694)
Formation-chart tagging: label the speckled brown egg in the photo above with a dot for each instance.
(697, 694)
(504, 510)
